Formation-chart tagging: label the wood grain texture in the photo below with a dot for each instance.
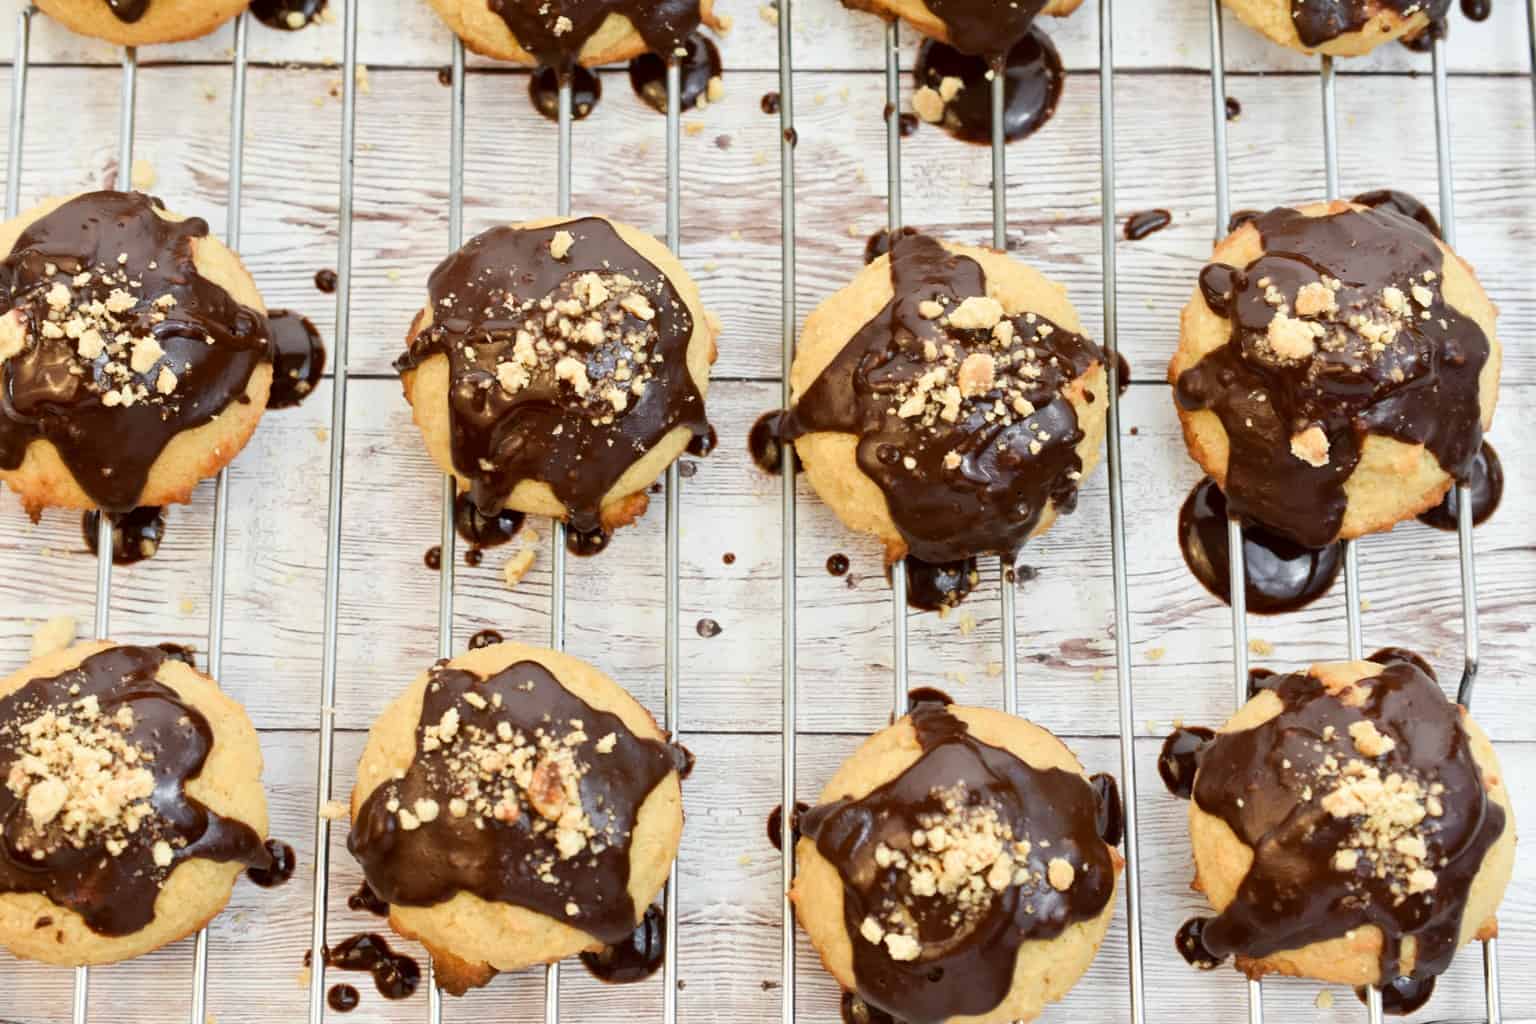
(1181, 641)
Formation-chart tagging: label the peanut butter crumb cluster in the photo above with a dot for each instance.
(965, 858)
(82, 779)
(104, 315)
(992, 369)
(1357, 334)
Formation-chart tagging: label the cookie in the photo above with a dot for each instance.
(982, 27)
(559, 367)
(1336, 369)
(1351, 825)
(954, 869)
(132, 801)
(1341, 28)
(142, 22)
(947, 402)
(563, 33)
(514, 807)
(135, 357)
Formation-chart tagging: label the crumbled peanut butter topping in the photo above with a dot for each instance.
(1362, 331)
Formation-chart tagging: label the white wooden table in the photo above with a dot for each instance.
(730, 714)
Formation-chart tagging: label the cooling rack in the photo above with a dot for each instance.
(1134, 961)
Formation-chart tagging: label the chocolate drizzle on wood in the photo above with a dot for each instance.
(509, 798)
(567, 355)
(1339, 331)
(958, 408)
(927, 954)
(1360, 813)
(112, 343)
(94, 809)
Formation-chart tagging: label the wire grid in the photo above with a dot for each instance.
(1136, 966)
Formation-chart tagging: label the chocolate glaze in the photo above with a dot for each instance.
(1319, 21)
(837, 564)
(1146, 222)
(483, 531)
(1477, 10)
(1180, 758)
(298, 358)
(933, 586)
(433, 559)
(277, 13)
(1033, 80)
(1241, 217)
(1010, 467)
(707, 628)
(343, 998)
(1280, 575)
(1403, 203)
(729, 558)
(664, 25)
(1487, 491)
(48, 391)
(1234, 108)
(1391, 655)
(484, 638)
(395, 975)
(279, 870)
(115, 895)
(985, 27)
(128, 11)
(770, 103)
(365, 899)
(325, 281)
(766, 443)
(969, 969)
(1421, 389)
(586, 543)
(857, 1011)
(702, 445)
(776, 824)
(927, 695)
(637, 957)
(648, 74)
(1260, 781)
(1402, 995)
(546, 431)
(503, 863)
(136, 534)
(179, 652)
(1111, 817)
(1260, 679)
(544, 91)
(877, 245)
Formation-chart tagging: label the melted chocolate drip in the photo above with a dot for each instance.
(325, 281)
(298, 358)
(985, 27)
(586, 543)
(857, 1011)
(837, 565)
(1180, 758)
(1403, 995)
(128, 11)
(484, 638)
(547, 431)
(648, 74)
(1477, 10)
(544, 91)
(707, 628)
(554, 31)
(927, 695)
(1394, 655)
(179, 652)
(287, 15)
(483, 531)
(729, 558)
(367, 901)
(1420, 389)
(1111, 817)
(766, 442)
(136, 535)
(776, 824)
(966, 968)
(511, 863)
(1234, 108)
(48, 391)
(395, 975)
(637, 957)
(343, 998)
(279, 870)
(433, 559)
(1033, 81)
(1010, 467)
(115, 895)
(1145, 223)
(1319, 21)
(1487, 491)
(1259, 680)
(1280, 575)
(1241, 217)
(1260, 782)
(702, 445)
(1190, 942)
(1403, 203)
(770, 103)
(934, 586)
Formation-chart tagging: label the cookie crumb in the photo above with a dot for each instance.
(517, 567)
(54, 635)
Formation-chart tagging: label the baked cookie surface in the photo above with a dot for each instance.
(559, 367)
(142, 22)
(132, 801)
(515, 806)
(1341, 28)
(1336, 369)
(563, 33)
(954, 870)
(983, 27)
(946, 401)
(1351, 825)
(135, 355)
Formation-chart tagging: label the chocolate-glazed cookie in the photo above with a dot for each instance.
(954, 869)
(1336, 370)
(559, 367)
(131, 803)
(142, 22)
(564, 33)
(1343, 28)
(514, 807)
(135, 357)
(947, 401)
(1351, 825)
(986, 28)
